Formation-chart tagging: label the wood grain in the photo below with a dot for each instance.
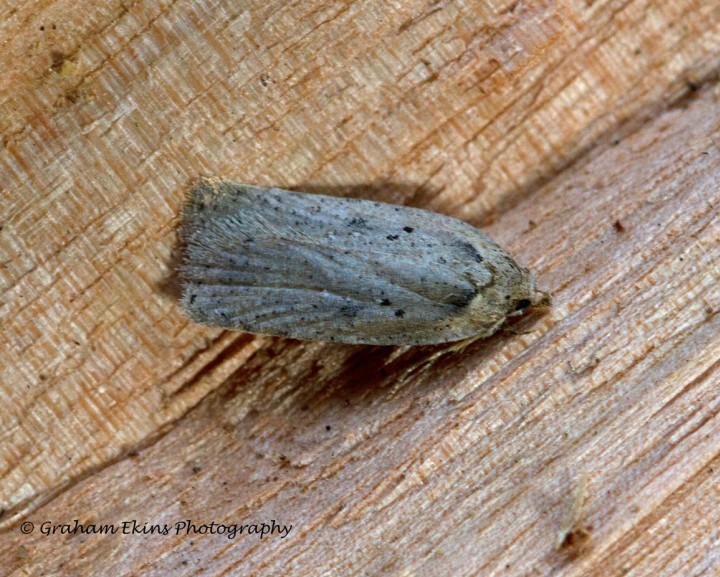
(583, 134)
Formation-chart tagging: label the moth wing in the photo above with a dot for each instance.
(314, 267)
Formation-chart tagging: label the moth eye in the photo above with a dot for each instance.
(522, 304)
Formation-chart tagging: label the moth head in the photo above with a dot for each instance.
(525, 295)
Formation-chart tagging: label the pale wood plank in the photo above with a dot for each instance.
(398, 461)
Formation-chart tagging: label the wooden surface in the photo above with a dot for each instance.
(584, 135)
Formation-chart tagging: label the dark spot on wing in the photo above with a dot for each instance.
(385, 303)
(408, 229)
(349, 311)
(463, 299)
(392, 237)
(400, 313)
(470, 251)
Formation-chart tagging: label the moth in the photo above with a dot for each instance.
(321, 268)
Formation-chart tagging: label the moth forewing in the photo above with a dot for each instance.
(276, 262)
